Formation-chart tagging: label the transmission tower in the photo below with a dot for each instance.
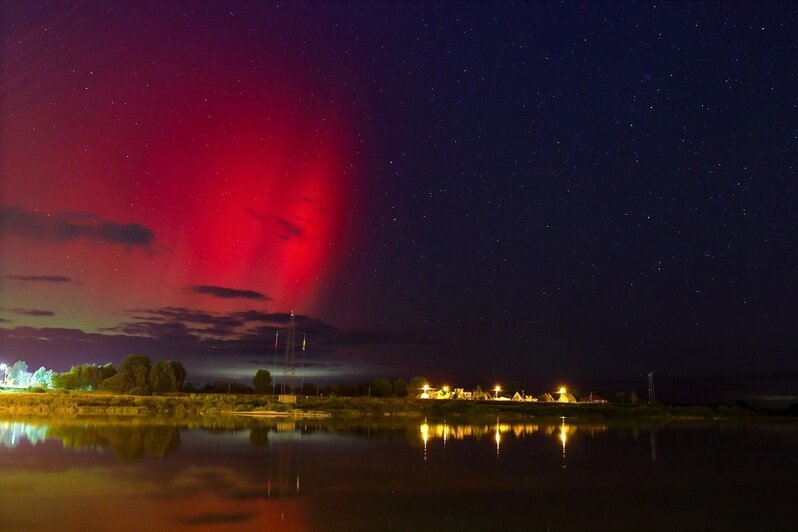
(652, 397)
(289, 362)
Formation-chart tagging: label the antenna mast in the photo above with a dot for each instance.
(652, 397)
(289, 364)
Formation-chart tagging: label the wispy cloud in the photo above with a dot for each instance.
(288, 230)
(71, 226)
(227, 293)
(39, 278)
(285, 229)
(28, 312)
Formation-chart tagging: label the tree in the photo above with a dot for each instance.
(381, 388)
(416, 385)
(116, 384)
(400, 388)
(137, 369)
(167, 376)
(90, 376)
(17, 374)
(262, 382)
(65, 381)
(132, 378)
(42, 377)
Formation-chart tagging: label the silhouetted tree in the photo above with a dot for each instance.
(416, 385)
(262, 382)
(381, 388)
(400, 388)
(65, 381)
(84, 377)
(167, 376)
(132, 378)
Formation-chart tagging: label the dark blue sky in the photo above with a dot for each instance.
(538, 191)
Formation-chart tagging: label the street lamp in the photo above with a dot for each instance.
(497, 389)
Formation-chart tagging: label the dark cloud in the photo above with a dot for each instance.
(39, 278)
(211, 346)
(227, 293)
(29, 312)
(257, 216)
(215, 519)
(286, 229)
(70, 226)
(181, 314)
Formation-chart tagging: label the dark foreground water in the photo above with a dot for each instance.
(228, 474)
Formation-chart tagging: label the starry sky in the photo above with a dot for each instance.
(475, 192)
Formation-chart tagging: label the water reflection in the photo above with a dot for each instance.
(13, 433)
(499, 431)
(368, 474)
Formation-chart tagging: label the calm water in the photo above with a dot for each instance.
(230, 474)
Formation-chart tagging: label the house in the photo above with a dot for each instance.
(566, 398)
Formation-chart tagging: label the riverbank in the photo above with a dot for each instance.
(187, 405)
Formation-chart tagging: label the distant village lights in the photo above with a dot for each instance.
(559, 395)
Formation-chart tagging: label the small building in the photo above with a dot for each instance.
(517, 397)
(566, 398)
(594, 398)
(546, 398)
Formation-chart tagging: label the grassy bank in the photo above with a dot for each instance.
(186, 405)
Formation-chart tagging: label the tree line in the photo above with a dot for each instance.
(136, 375)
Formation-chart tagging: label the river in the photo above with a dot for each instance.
(394, 474)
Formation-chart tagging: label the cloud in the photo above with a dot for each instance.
(211, 345)
(216, 518)
(227, 293)
(182, 314)
(29, 312)
(39, 278)
(286, 230)
(71, 226)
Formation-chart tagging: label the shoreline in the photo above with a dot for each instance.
(265, 406)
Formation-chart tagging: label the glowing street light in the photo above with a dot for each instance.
(562, 390)
(497, 389)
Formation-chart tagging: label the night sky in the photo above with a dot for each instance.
(474, 192)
